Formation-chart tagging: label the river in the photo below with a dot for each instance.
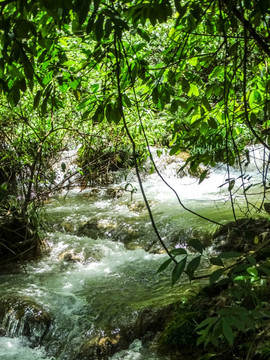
(98, 276)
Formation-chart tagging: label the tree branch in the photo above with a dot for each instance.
(248, 26)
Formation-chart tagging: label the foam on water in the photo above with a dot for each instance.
(15, 349)
(136, 351)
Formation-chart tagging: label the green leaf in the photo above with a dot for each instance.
(116, 114)
(178, 270)
(85, 102)
(227, 331)
(231, 182)
(193, 90)
(83, 11)
(180, 9)
(206, 103)
(44, 106)
(265, 270)
(238, 323)
(216, 331)
(143, 34)
(174, 106)
(28, 68)
(108, 112)
(164, 265)
(90, 23)
(230, 255)
(74, 84)
(203, 176)
(14, 95)
(152, 18)
(252, 271)
(212, 123)
(197, 245)
(155, 95)
(216, 261)
(239, 268)
(215, 276)
(99, 114)
(22, 85)
(175, 149)
(126, 101)
(37, 99)
(63, 166)
(206, 322)
(185, 85)
(255, 97)
(183, 104)
(192, 266)
(99, 27)
(108, 27)
(179, 251)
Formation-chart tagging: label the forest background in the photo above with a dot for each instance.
(116, 77)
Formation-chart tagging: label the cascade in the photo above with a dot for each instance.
(93, 295)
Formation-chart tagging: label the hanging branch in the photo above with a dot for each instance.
(248, 27)
(226, 115)
(151, 156)
(245, 89)
(120, 103)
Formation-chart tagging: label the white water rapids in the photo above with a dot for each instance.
(106, 283)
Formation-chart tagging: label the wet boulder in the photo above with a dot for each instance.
(137, 206)
(101, 347)
(68, 227)
(69, 257)
(20, 316)
(114, 192)
(90, 229)
(143, 325)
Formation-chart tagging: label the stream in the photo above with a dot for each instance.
(99, 274)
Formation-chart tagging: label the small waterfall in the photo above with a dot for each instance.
(24, 318)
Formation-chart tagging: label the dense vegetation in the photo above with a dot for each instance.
(114, 77)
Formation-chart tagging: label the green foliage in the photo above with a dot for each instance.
(179, 332)
(226, 324)
(189, 75)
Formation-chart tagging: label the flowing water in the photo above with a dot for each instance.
(98, 276)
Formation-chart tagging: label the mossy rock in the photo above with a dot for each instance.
(115, 192)
(101, 347)
(142, 325)
(137, 206)
(22, 316)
